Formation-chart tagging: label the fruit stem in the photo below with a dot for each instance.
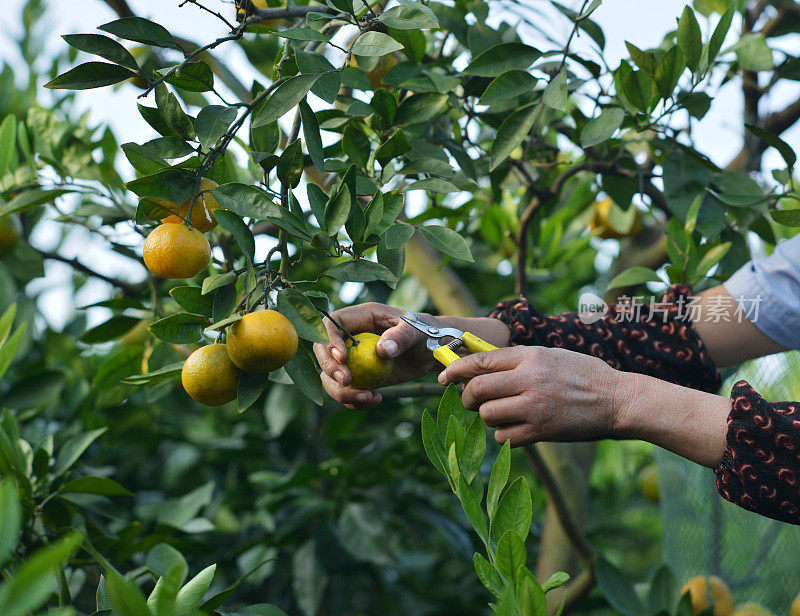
(347, 334)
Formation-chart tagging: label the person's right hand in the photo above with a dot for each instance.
(399, 341)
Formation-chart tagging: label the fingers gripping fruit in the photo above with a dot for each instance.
(175, 251)
(262, 341)
(709, 592)
(209, 376)
(368, 369)
(202, 212)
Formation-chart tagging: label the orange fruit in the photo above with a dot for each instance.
(9, 236)
(262, 341)
(202, 217)
(601, 219)
(794, 610)
(709, 591)
(367, 367)
(209, 376)
(751, 609)
(175, 251)
(648, 483)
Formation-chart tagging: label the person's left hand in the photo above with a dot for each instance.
(540, 394)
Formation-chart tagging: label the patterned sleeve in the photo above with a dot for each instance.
(659, 342)
(760, 469)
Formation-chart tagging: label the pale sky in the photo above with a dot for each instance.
(643, 23)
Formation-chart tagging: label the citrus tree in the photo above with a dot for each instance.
(427, 154)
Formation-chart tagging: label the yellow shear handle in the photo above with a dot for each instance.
(475, 344)
(445, 355)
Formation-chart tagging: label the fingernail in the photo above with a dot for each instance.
(389, 347)
(337, 354)
(364, 396)
(339, 376)
(442, 377)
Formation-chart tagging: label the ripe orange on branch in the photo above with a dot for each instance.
(367, 367)
(709, 592)
(202, 212)
(209, 376)
(262, 341)
(175, 251)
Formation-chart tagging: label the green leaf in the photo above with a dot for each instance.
(447, 241)
(285, 98)
(8, 142)
(633, 276)
(487, 575)
(498, 478)
(168, 372)
(190, 596)
(96, 485)
(124, 596)
(398, 234)
(669, 71)
(361, 271)
(337, 211)
(246, 200)
(410, 16)
(192, 300)
(471, 455)
(212, 123)
(643, 59)
(511, 133)
(433, 445)
(419, 108)
(374, 44)
(312, 135)
(104, 47)
(450, 405)
(788, 218)
(617, 588)
(251, 386)
(470, 501)
(690, 39)
(173, 114)
(601, 128)
(90, 75)
(302, 370)
(511, 555)
(31, 198)
(10, 347)
(558, 579)
(395, 146)
(753, 53)
(73, 449)
(436, 185)
(711, 258)
(514, 511)
(163, 558)
(140, 30)
(215, 281)
(720, 32)
(530, 595)
(193, 77)
(784, 149)
(115, 327)
(508, 85)
(180, 328)
(738, 189)
(501, 58)
(35, 579)
(165, 593)
(301, 34)
(638, 89)
(230, 221)
(555, 94)
(10, 519)
(356, 145)
(309, 579)
(143, 159)
(296, 307)
(663, 590)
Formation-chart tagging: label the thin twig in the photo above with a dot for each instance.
(128, 288)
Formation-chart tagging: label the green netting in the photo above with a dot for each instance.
(703, 534)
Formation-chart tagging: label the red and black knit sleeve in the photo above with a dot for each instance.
(656, 339)
(760, 469)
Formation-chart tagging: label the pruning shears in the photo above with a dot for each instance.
(446, 353)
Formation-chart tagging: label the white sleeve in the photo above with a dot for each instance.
(768, 293)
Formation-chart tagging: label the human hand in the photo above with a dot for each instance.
(540, 394)
(398, 340)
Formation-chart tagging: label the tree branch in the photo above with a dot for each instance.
(128, 288)
(525, 221)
